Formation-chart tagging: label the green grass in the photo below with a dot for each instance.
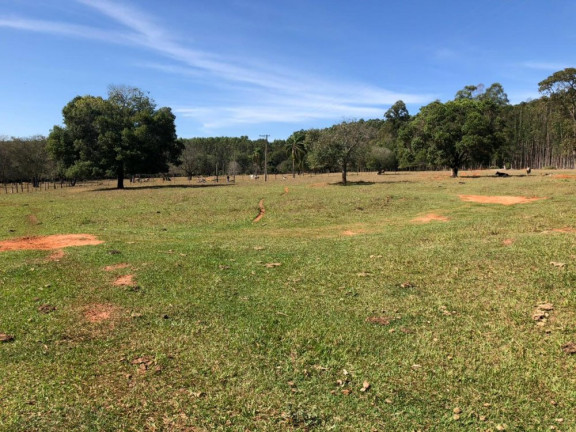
(213, 339)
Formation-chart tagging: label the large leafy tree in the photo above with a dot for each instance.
(343, 144)
(457, 132)
(124, 134)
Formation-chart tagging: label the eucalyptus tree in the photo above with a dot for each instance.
(561, 88)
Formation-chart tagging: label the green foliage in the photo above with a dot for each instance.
(124, 134)
(342, 145)
(381, 159)
(457, 132)
(25, 159)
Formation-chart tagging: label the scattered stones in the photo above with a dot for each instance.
(542, 313)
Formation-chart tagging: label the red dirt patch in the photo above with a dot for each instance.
(49, 242)
(126, 280)
(116, 267)
(507, 242)
(430, 217)
(564, 176)
(504, 200)
(261, 212)
(98, 312)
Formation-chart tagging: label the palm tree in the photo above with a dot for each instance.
(297, 148)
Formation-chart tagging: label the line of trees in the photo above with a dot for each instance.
(126, 134)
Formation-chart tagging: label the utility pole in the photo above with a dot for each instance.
(265, 156)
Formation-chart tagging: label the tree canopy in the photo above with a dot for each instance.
(124, 134)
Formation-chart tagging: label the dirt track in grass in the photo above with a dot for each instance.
(261, 212)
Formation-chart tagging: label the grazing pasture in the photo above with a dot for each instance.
(396, 303)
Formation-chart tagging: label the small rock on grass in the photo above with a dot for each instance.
(6, 337)
(365, 386)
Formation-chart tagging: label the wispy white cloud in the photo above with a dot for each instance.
(58, 28)
(269, 93)
(544, 66)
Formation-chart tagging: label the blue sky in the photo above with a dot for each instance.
(253, 67)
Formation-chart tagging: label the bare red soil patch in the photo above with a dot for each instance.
(261, 212)
(507, 242)
(504, 200)
(430, 217)
(116, 267)
(564, 176)
(58, 241)
(98, 312)
(126, 280)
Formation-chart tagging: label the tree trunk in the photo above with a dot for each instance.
(344, 172)
(120, 177)
(454, 172)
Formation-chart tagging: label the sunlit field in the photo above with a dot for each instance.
(401, 302)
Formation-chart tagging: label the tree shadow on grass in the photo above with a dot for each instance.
(168, 186)
(351, 183)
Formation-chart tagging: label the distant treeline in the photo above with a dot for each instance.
(479, 128)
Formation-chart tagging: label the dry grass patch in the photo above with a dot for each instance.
(57, 255)
(116, 267)
(125, 280)
(100, 312)
(430, 217)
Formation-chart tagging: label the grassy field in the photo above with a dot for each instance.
(338, 310)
